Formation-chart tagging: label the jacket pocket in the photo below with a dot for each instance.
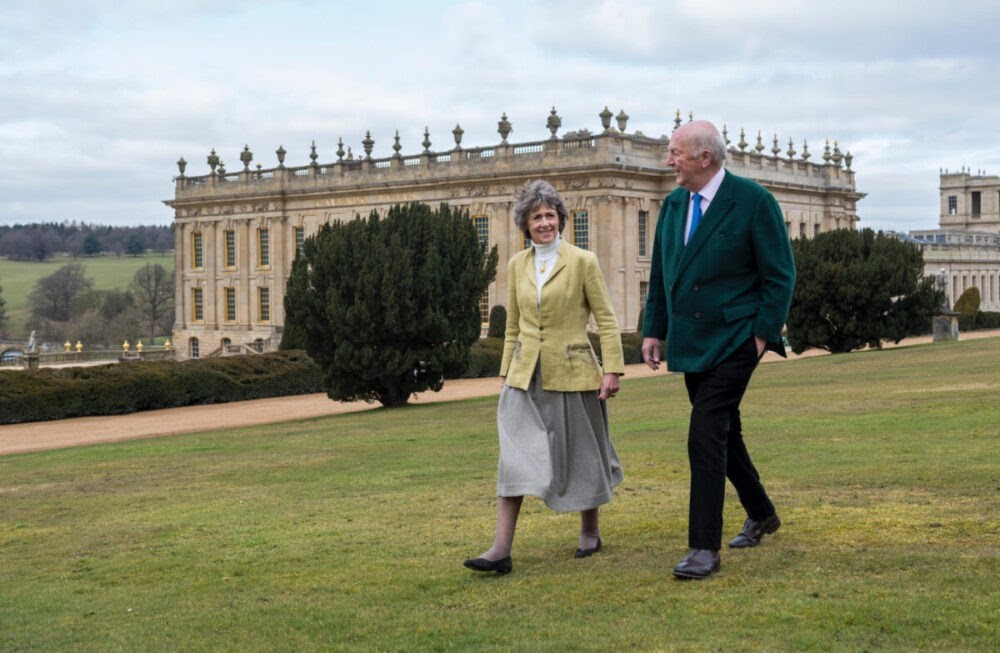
(733, 313)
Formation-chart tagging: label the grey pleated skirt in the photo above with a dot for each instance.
(555, 445)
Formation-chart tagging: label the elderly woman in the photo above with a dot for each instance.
(552, 418)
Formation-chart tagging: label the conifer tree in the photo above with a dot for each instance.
(387, 306)
(858, 288)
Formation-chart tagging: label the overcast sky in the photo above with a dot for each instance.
(98, 99)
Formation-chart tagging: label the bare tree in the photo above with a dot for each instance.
(153, 289)
(53, 296)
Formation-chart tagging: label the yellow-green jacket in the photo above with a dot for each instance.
(556, 334)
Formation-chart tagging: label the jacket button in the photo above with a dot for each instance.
(696, 287)
(697, 316)
(541, 340)
(541, 328)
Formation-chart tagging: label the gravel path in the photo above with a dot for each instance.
(57, 434)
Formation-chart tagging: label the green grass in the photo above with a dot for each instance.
(348, 532)
(18, 278)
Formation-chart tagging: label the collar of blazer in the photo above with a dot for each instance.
(529, 268)
(721, 204)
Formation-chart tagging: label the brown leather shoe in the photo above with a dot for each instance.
(754, 530)
(699, 563)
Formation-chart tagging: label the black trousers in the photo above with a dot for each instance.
(716, 450)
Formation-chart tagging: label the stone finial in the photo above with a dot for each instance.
(826, 151)
(281, 155)
(213, 160)
(427, 140)
(246, 156)
(743, 141)
(605, 117)
(504, 128)
(775, 150)
(725, 134)
(313, 155)
(340, 149)
(805, 150)
(838, 156)
(760, 143)
(622, 120)
(181, 165)
(690, 116)
(791, 150)
(847, 159)
(553, 123)
(368, 144)
(457, 133)
(350, 155)
(396, 147)
(222, 168)
(677, 119)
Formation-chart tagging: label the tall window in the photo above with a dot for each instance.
(299, 234)
(230, 248)
(643, 218)
(263, 247)
(193, 348)
(581, 229)
(264, 304)
(197, 305)
(952, 204)
(197, 253)
(977, 203)
(482, 229)
(643, 293)
(231, 304)
(484, 307)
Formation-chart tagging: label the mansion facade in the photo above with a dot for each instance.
(237, 233)
(966, 247)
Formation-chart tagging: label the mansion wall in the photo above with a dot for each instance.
(237, 233)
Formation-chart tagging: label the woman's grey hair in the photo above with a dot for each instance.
(530, 195)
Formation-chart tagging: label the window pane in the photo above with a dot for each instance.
(581, 229)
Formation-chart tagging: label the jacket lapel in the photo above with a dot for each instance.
(721, 205)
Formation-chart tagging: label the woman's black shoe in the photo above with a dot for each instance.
(501, 566)
(583, 553)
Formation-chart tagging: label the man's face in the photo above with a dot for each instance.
(689, 164)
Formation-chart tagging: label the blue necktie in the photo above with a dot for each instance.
(695, 214)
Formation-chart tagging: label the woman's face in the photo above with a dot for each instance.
(543, 224)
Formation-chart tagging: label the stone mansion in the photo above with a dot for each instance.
(237, 232)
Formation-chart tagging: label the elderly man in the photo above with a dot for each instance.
(720, 287)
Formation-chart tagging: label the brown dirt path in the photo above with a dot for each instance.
(57, 434)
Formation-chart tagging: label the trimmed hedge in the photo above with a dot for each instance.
(128, 387)
(979, 320)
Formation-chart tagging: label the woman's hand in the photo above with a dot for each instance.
(609, 386)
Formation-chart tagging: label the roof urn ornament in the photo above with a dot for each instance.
(396, 147)
(725, 134)
(606, 117)
(281, 156)
(775, 150)
(427, 140)
(743, 141)
(181, 165)
(457, 133)
(791, 150)
(760, 143)
(826, 151)
(847, 159)
(622, 119)
(677, 119)
(213, 160)
(246, 156)
(368, 144)
(553, 123)
(838, 156)
(805, 150)
(504, 128)
(313, 155)
(340, 149)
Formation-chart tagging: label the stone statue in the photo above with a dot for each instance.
(31, 348)
(942, 284)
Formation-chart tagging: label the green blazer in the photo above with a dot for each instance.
(733, 280)
(555, 334)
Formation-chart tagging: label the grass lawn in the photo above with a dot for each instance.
(18, 278)
(348, 532)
